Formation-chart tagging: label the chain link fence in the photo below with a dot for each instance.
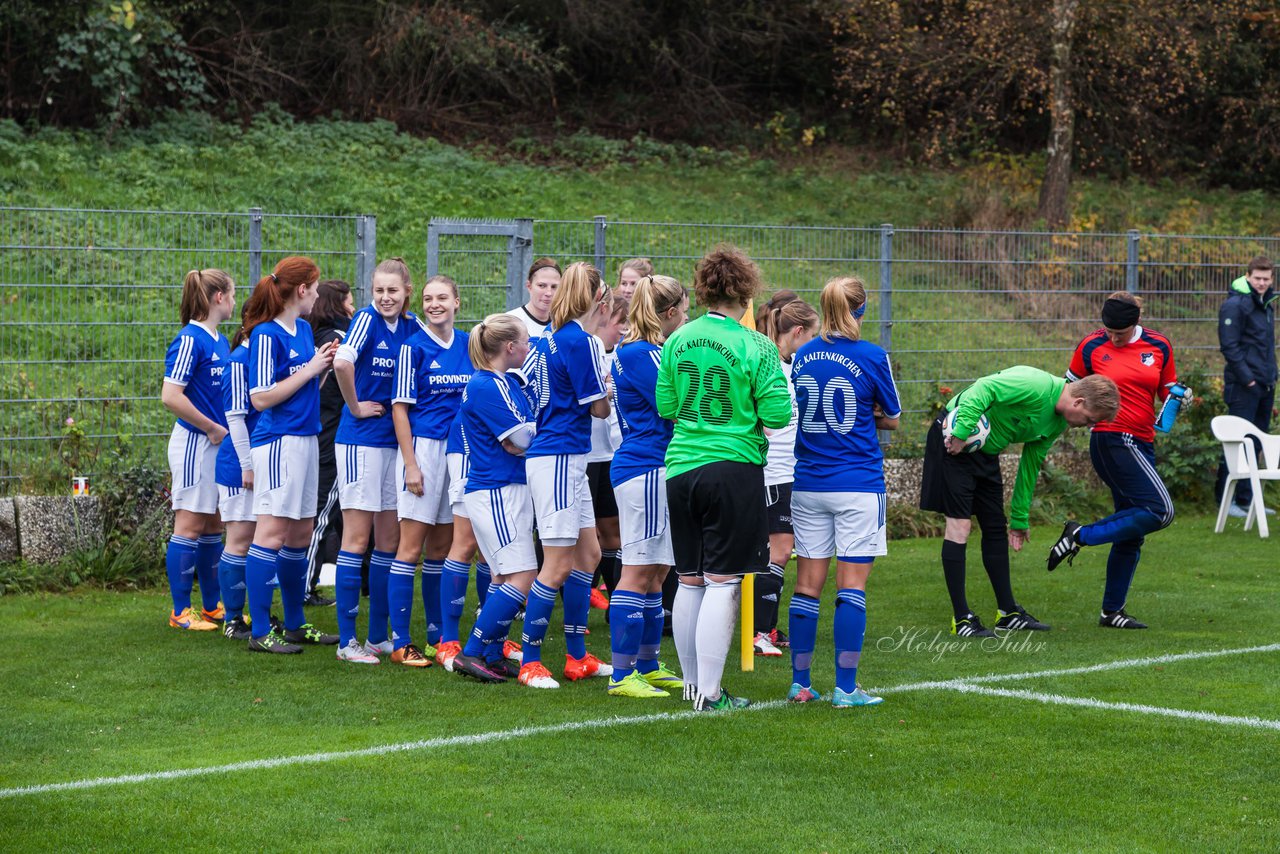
(89, 299)
(88, 305)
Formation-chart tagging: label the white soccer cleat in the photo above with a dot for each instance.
(356, 653)
(385, 648)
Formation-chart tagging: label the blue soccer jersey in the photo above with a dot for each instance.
(235, 401)
(197, 360)
(430, 377)
(275, 354)
(645, 435)
(837, 384)
(493, 407)
(566, 375)
(373, 346)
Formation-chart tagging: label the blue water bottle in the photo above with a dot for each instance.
(1172, 403)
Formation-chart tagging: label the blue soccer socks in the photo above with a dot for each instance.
(577, 605)
(208, 553)
(537, 616)
(850, 629)
(346, 588)
(260, 578)
(626, 630)
(291, 569)
(180, 565)
(802, 621)
(453, 597)
(400, 602)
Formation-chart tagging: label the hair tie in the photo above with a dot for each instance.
(274, 277)
(859, 311)
(1120, 314)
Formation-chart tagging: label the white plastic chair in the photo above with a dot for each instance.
(1236, 435)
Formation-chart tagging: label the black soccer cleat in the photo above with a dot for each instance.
(1067, 546)
(1119, 620)
(237, 629)
(475, 668)
(308, 633)
(1019, 620)
(969, 626)
(272, 642)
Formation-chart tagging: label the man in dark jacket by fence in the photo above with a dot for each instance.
(1247, 338)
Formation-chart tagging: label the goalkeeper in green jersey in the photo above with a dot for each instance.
(1024, 405)
(721, 384)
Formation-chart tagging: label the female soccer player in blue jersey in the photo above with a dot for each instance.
(497, 421)
(790, 322)
(845, 392)
(235, 487)
(568, 386)
(432, 369)
(659, 305)
(365, 449)
(195, 368)
(605, 438)
(284, 385)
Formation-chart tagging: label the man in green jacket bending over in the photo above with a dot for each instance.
(1024, 405)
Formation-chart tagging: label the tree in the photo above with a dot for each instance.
(1114, 85)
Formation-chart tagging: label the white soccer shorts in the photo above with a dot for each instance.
(561, 497)
(502, 520)
(235, 504)
(839, 524)
(286, 475)
(432, 506)
(367, 477)
(193, 462)
(457, 483)
(643, 519)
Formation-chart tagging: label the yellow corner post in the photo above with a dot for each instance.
(747, 619)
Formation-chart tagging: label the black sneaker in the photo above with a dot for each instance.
(780, 639)
(1019, 620)
(277, 624)
(725, 702)
(1119, 620)
(315, 600)
(308, 633)
(969, 626)
(272, 642)
(237, 629)
(474, 667)
(1067, 546)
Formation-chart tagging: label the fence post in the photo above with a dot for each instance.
(1131, 261)
(433, 248)
(366, 256)
(519, 260)
(255, 246)
(601, 223)
(886, 286)
(886, 302)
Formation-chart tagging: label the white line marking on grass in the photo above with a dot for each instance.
(1090, 703)
(963, 683)
(380, 750)
(1089, 668)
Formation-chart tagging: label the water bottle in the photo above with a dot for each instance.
(1172, 403)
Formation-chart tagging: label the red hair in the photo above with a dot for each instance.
(274, 290)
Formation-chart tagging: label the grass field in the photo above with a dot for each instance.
(1077, 739)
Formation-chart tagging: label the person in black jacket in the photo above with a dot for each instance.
(1247, 338)
(329, 318)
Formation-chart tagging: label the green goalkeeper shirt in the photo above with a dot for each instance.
(721, 384)
(1019, 402)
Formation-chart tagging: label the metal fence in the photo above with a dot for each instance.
(89, 303)
(88, 298)
(950, 305)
